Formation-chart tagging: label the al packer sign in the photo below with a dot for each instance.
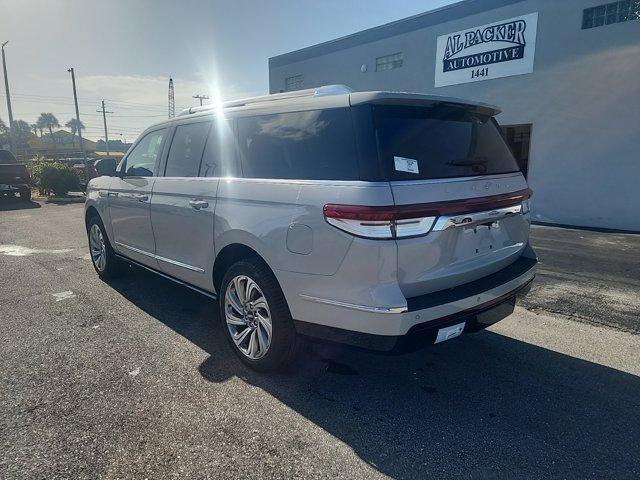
(495, 50)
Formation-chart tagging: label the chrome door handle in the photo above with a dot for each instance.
(198, 204)
(141, 197)
(112, 194)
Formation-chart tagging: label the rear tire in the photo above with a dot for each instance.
(25, 194)
(256, 318)
(104, 260)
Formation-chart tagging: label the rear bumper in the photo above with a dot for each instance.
(477, 304)
(13, 187)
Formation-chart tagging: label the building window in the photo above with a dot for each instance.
(518, 138)
(389, 62)
(293, 83)
(614, 12)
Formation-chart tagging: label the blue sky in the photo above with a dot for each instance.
(125, 51)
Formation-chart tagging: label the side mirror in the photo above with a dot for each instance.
(106, 167)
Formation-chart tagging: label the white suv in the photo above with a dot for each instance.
(377, 219)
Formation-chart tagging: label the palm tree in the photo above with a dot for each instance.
(40, 125)
(34, 129)
(75, 125)
(49, 121)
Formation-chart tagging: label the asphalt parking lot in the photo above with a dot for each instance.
(133, 379)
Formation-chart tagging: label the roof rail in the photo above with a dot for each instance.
(310, 92)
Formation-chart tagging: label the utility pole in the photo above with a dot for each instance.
(75, 99)
(201, 97)
(6, 88)
(104, 119)
(172, 100)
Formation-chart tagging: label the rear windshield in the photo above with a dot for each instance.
(439, 141)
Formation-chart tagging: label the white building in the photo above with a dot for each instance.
(566, 75)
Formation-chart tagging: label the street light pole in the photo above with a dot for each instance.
(6, 88)
(84, 155)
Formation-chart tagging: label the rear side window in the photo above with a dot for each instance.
(186, 150)
(439, 141)
(310, 145)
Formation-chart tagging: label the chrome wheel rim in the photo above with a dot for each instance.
(248, 317)
(97, 248)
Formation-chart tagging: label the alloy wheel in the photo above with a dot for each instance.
(97, 247)
(248, 317)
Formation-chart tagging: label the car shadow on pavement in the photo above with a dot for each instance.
(14, 203)
(481, 406)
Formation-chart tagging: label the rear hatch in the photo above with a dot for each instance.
(449, 164)
(13, 174)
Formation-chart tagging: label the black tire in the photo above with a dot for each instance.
(25, 194)
(113, 266)
(285, 344)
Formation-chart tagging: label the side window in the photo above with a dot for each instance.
(186, 149)
(219, 159)
(311, 145)
(142, 160)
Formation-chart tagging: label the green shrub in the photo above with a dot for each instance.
(54, 177)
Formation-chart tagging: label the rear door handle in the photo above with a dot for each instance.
(141, 197)
(198, 204)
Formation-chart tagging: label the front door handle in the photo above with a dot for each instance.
(198, 204)
(141, 197)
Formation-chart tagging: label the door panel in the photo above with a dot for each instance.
(129, 200)
(130, 197)
(182, 217)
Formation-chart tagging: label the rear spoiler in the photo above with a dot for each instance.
(418, 99)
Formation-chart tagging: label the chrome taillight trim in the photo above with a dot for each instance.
(477, 218)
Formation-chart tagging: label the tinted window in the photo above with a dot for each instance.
(142, 160)
(186, 150)
(312, 145)
(219, 158)
(440, 142)
(7, 157)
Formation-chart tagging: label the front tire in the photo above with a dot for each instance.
(105, 262)
(256, 317)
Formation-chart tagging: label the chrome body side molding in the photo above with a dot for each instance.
(161, 258)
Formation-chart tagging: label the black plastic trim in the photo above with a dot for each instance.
(513, 271)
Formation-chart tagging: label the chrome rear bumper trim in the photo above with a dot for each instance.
(364, 308)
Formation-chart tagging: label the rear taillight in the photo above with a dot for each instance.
(385, 222)
(403, 221)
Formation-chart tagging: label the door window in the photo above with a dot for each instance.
(143, 159)
(186, 150)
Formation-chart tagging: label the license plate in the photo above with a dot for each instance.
(448, 333)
